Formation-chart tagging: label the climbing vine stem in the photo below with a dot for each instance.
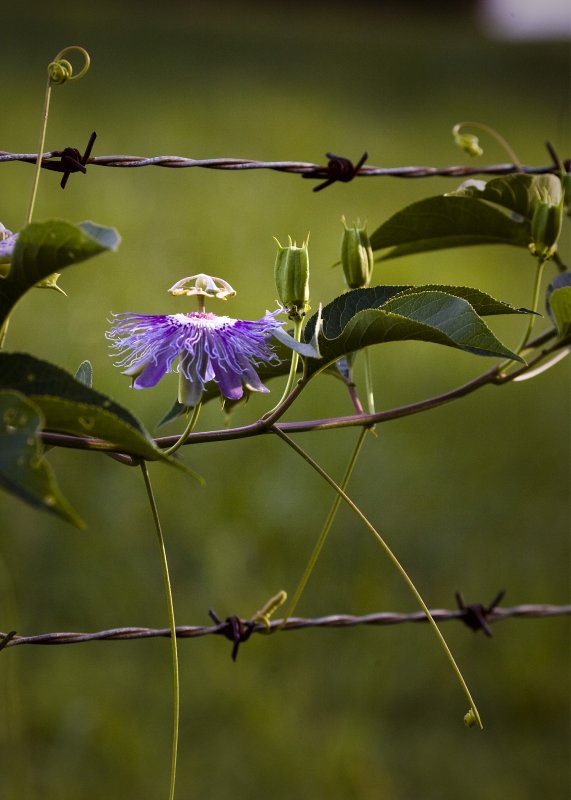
(473, 716)
(172, 625)
(60, 71)
(325, 530)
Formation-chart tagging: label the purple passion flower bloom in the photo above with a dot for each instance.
(210, 348)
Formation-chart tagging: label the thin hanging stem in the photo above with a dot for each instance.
(325, 530)
(59, 71)
(172, 626)
(187, 431)
(473, 715)
(522, 347)
(534, 304)
(43, 129)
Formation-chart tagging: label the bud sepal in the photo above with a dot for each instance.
(356, 255)
(291, 275)
(546, 222)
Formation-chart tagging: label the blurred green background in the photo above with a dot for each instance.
(473, 496)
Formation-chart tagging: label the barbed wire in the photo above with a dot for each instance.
(475, 616)
(338, 168)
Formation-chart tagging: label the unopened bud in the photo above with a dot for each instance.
(291, 274)
(356, 256)
(468, 142)
(546, 224)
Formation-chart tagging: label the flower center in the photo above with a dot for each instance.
(201, 315)
(203, 320)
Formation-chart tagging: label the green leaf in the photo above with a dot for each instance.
(441, 222)
(380, 314)
(483, 304)
(338, 313)
(45, 248)
(452, 316)
(518, 193)
(24, 471)
(71, 407)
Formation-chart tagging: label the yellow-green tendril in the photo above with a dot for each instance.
(458, 138)
(325, 530)
(187, 431)
(265, 612)
(474, 716)
(60, 70)
(172, 625)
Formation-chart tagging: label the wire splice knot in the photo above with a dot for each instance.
(339, 168)
(475, 615)
(234, 629)
(71, 160)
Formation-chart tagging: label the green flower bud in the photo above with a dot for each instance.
(291, 274)
(546, 224)
(468, 142)
(356, 255)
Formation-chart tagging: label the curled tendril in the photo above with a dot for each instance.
(60, 69)
(471, 145)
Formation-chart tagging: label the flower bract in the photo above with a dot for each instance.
(7, 243)
(209, 348)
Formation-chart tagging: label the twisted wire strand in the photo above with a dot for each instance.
(305, 168)
(526, 611)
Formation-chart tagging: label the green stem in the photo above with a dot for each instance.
(522, 347)
(30, 212)
(187, 431)
(172, 625)
(534, 305)
(325, 530)
(43, 128)
(292, 377)
(369, 381)
(473, 713)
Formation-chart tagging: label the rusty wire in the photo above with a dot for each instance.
(331, 171)
(492, 615)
